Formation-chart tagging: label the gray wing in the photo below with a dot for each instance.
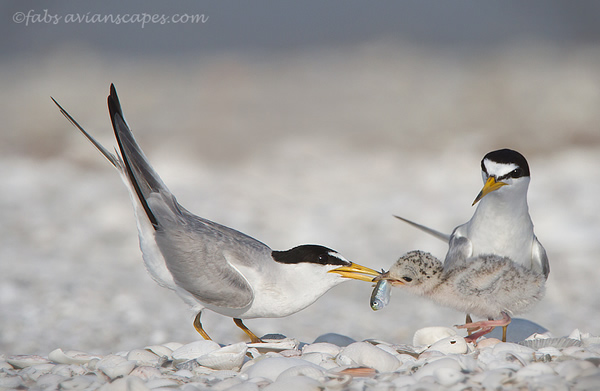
(539, 259)
(430, 231)
(194, 249)
(459, 250)
(197, 253)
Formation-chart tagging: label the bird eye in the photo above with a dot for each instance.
(517, 172)
(407, 279)
(323, 258)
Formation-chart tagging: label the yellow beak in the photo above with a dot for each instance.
(490, 186)
(356, 272)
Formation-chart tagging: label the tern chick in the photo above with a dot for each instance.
(487, 286)
(207, 264)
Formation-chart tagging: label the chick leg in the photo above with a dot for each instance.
(486, 326)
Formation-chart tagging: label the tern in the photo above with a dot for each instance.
(211, 266)
(501, 224)
(487, 285)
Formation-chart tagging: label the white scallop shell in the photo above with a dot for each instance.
(194, 350)
(322, 347)
(271, 367)
(159, 350)
(302, 370)
(228, 357)
(454, 344)
(145, 372)
(430, 335)
(365, 354)
(142, 356)
(70, 357)
(114, 366)
(559, 343)
(24, 361)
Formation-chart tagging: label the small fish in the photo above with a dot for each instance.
(381, 294)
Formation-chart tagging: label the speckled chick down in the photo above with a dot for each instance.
(483, 286)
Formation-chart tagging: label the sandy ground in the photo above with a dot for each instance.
(318, 146)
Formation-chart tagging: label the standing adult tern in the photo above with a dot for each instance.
(501, 225)
(207, 264)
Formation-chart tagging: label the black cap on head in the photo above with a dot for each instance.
(310, 253)
(507, 156)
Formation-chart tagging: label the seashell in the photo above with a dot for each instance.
(233, 384)
(365, 354)
(295, 383)
(127, 383)
(271, 367)
(317, 358)
(115, 366)
(322, 347)
(228, 357)
(194, 350)
(172, 345)
(494, 379)
(161, 383)
(141, 356)
(24, 361)
(559, 343)
(68, 370)
(533, 370)
(79, 383)
(302, 370)
(487, 342)
(145, 372)
(70, 357)
(430, 368)
(448, 345)
(404, 382)
(448, 377)
(11, 382)
(335, 339)
(276, 344)
(358, 372)
(572, 369)
(49, 381)
(430, 335)
(159, 350)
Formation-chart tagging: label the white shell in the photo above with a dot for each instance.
(559, 343)
(322, 347)
(430, 335)
(534, 369)
(431, 368)
(297, 383)
(159, 350)
(114, 366)
(228, 357)
(70, 357)
(448, 345)
(145, 372)
(194, 350)
(302, 370)
(24, 361)
(271, 367)
(142, 356)
(276, 344)
(365, 354)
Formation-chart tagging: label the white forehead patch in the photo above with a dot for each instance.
(498, 169)
(338, 256)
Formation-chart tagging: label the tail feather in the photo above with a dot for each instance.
(430, 231)
(113, 159)
(144, 180)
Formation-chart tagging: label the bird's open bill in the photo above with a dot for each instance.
(490, 186)
(386, 276)
(357, 272)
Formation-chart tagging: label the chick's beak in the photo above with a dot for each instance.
(490, 186)
(357, 272)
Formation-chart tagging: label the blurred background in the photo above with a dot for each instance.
(294, 122)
